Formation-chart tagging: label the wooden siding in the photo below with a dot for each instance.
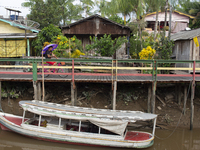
(96, 26)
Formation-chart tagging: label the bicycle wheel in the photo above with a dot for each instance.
(63, 70)
(45, 75)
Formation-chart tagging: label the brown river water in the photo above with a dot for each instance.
(182, 139)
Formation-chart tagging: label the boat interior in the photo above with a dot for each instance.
(78, 126)
(68, 124)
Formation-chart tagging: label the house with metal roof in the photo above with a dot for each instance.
(186, 46)
(16, 34)
(97, 26)
(180, 21)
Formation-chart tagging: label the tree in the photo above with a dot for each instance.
(53, 11)
(117, 19)
(103, 8)
(105, 45)
(87, 6)
(192, 8)
(44, 13)
(45, 35)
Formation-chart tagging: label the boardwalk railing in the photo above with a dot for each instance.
(98, 67)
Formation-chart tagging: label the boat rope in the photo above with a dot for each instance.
(179, 118)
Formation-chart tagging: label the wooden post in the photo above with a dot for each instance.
(39, 91)
(192, 105)
(179, 94)
(75, 96)
(153, 97)
(192, 97)
(185, 99)
(149, 99)
(72, 94)
(35, 90)
(114, 95)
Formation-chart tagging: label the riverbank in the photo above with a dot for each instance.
(129, 97)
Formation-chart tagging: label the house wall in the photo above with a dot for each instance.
(12, 48)
(182, 52)
(7, 28)
(96, 26)
(187, 50)
(179, 22)
(161, 17)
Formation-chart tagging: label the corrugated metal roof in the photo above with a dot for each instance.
(185, 35)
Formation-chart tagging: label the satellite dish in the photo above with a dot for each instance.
(27, 23)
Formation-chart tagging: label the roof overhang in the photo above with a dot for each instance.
(191, 17)
(17, 35)
(93, 16)
(14, 24)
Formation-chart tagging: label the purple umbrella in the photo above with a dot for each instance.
(47, 47)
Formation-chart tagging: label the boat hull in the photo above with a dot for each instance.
(41, 133)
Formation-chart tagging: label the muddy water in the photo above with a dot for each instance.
(182, 139)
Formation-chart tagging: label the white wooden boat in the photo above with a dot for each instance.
(79, 125)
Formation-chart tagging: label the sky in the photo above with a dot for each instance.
(15, 4)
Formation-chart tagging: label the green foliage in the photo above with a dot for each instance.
(52, 11)
(45, 35)
(164, 48)
(66, 46)
(13, 90)
(105, 45)
(118, 19)
(164, 51)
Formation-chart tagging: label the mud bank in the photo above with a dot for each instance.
(129, 97)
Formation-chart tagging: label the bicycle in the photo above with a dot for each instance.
(53, 70)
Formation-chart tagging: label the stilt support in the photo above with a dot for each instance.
(114, 95)
(35, 90)
(149, 99)
(192, 105)
(185, 99)
(153, 100)
(73, 94)
(39, 91)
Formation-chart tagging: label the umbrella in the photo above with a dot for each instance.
(47, 47)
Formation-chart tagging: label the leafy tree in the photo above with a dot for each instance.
(103, 8)
(87, 6)
(45, 35)
(53, 11)
(105, 45)
(117, 19)
(192, 8)
(69, 11)
(43, 12)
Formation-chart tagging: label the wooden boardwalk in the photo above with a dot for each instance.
(144, 78)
